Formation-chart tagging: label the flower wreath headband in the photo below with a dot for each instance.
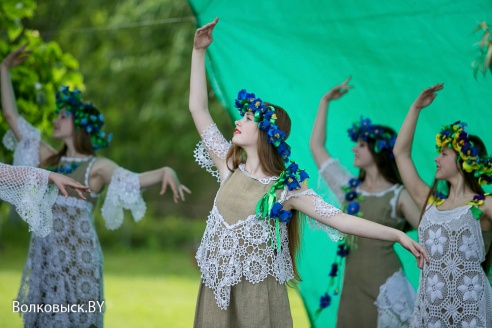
(86, 116)
(455, 136)
(365, 130)
(268, 206)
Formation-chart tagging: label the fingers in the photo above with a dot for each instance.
(81, 195)
(208, 27)
(163, 188)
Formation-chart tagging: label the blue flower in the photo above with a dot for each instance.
(334, 270)
(353, 132)
(343, 250)
(353, 183)
(353, 208)
(284, 150)
(264, 125)
(324, 301)
(275, 211)
(293, 167)
(350, 196)
(285, 216)
(365, 122)
(275, 135)
(303, 175)
(292, 183)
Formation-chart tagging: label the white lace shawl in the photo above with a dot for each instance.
(27, 189)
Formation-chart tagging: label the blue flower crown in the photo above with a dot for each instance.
(86, 116)
(268, 206)
(365, 130)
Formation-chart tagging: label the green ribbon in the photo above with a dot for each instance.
(265, 204)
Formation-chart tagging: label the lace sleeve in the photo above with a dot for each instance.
(212, 141)
(321, 208)
(123, 193)
(26, 151)
(27, 189)
(336, 176)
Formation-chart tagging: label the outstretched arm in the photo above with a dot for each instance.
(318, 134)
(403, 147)
(315, 207)
(103, 170)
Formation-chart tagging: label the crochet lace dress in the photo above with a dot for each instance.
(64, 267)
(454, 290)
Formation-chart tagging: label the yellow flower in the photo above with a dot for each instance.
(470, 165)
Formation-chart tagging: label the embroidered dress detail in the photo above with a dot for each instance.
(28, 190)
(228, 254)
(123, 193)
(26, 151)
(454, 289)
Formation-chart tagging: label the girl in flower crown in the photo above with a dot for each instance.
(249, 247)
(455, 226)
(378, 195)
(66, 266)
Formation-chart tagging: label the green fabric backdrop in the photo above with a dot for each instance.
(291, 52)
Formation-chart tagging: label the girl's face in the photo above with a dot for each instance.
(447, 166)
(362, 156)
(246, 132)
(63, 125)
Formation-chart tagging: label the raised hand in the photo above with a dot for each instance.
(62, 182)
(16, 57)
(427, 96)
(338, 91)
(171, 179)
(203, 36)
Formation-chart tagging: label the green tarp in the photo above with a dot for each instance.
(291, 52)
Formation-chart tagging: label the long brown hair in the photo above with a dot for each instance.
(385, 161)
(471, 182)
(273, 164)
(82, 143)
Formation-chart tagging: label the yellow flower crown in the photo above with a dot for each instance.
(455, 136)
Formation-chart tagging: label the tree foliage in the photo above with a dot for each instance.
(48, 66)
(135, 58)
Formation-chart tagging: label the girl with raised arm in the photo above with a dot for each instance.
(376, 194)
(249, 247)
(66, 267)
(455, 227)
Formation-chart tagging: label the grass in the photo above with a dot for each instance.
(143, 288)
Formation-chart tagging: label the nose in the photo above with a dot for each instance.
(436, 159)
(354, 148)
